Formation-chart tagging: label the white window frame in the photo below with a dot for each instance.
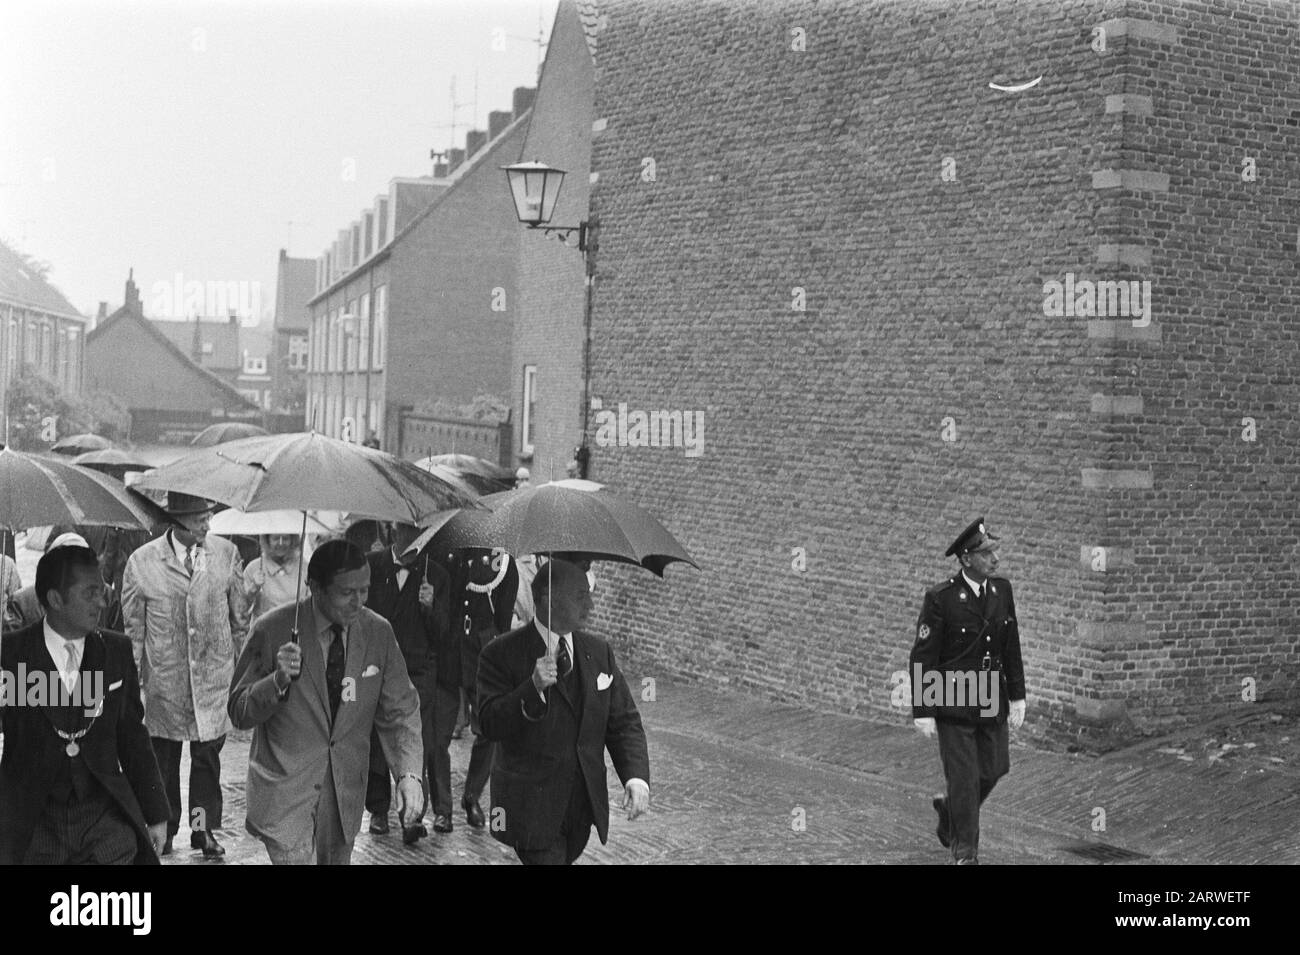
(526, 416)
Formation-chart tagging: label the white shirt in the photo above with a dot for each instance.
(403, 572)
(58, 647)
(974, 586)
(196, 553)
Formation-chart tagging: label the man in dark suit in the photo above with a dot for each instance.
(78, 782)
(554, 700)
(967, 639)
(485, 583)
(413, 594)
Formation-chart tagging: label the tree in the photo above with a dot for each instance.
(34, 404)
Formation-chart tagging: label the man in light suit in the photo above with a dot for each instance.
(311, 742)
(78, 782)
(553, 700)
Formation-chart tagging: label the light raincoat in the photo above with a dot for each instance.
(187, 633)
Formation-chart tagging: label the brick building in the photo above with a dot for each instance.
(547, 352)
(171, 397)
(821, 227)
(39, 328)
(427, 277)
(295, 285)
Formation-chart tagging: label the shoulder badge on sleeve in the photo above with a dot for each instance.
(922, 633)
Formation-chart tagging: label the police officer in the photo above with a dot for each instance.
(967, 633)
(484, 583)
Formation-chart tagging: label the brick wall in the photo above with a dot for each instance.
(549, 332)
(445, 340)
(823, 170)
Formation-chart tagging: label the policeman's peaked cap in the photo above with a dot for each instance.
(973, 538)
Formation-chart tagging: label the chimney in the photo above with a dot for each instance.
(440, 170)
(131, 297)
(196, 343)
(498, 120)
(454, 158)
(102, 315)
(474, 141)
(523, 99)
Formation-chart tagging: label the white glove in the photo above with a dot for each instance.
(927, 725)
(1017, 714)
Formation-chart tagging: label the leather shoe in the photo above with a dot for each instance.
(473, 813)
(378, 824)
(945, 823)
(167, 847)
(206, 841)
(442, 822)
(411, 834)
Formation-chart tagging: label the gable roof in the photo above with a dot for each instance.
(125, 314)
(20, 285)
(221, 334)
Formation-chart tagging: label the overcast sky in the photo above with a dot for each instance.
(187, 136)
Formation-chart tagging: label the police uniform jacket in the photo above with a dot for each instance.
(953, 633)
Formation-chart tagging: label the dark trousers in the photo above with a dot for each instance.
(481, 755)
(974, 757)
(575, 830)
(379, 782)
(205, 781)
(88, 831)
(446, 710)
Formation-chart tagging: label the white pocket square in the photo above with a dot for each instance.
(603, 681)
(370, 670)
(114, 686)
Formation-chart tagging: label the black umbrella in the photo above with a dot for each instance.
(80, 443)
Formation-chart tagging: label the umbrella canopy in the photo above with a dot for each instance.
(226, 431)
(547, 519)
(231, 522)
(36, 491)
(80, 444)
(310, 471)
(111, 461)
(483, 476)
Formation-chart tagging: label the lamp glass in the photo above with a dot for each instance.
(535, 188)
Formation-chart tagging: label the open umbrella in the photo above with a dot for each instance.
(36, 491)
(231, 522)
(226, 431)
(80, 444)
(309, 471)
(549, 518)
(483, 476)
(111, 461)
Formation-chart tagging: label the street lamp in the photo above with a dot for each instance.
(535, 188)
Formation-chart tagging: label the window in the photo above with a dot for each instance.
(363, 333)
(47, 348)
(527, 432)
(11, 352)
(350, 335)
(380, 336)
(71, 360)
(29, 344)
(340, 343)
(254, 364)
(332, 357)
(375, 423)
(298, 352)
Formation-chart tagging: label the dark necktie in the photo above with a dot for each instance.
(984, 599)
(334, 669)
(563, 662)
